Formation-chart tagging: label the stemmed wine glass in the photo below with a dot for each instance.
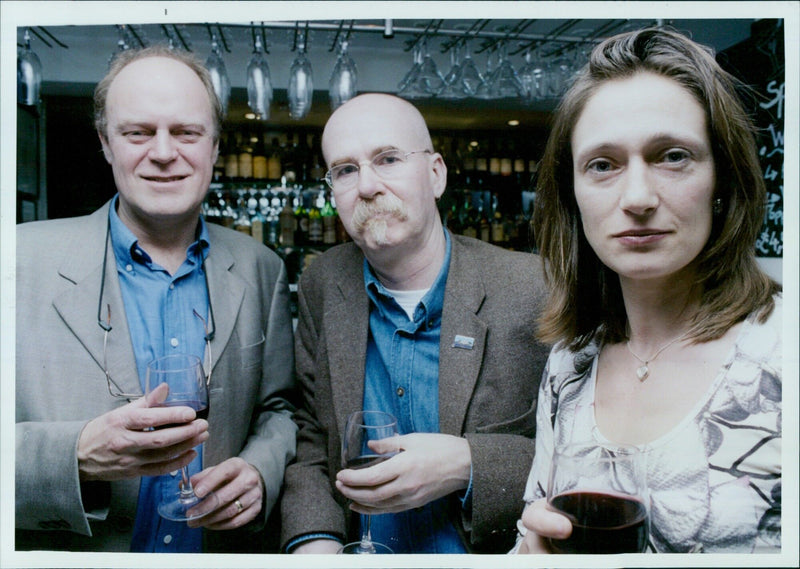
(219, 75)
(533, 78)
(470, 78)
(343, 84)
(187, 387)
(29, 74)
(301, 84)
(452, 88)
(602, 489)
(259, 82)
(504, 81)
(363, 427)
(423, 79)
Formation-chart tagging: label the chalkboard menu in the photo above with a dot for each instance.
(759, 62)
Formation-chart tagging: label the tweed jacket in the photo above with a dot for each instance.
(487, 394)
(60, 383)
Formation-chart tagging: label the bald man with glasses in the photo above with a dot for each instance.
(98, 297)
(436, 329)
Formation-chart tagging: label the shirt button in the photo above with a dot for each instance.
(400, 391)
(171, 286)
(167, 539)
(129, 268)
(174, 342)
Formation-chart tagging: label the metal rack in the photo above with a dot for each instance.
(489, 32)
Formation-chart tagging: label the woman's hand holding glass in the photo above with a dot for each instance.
(597, 502)
(541, 524)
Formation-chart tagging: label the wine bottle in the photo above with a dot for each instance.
(232, 158)
(246, 159)
(274, 169)
(301, 221)
(242, 222)
(328, 221)
(287, 222)
(260, 159)
(315, 227)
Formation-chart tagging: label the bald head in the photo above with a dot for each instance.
(393, 122)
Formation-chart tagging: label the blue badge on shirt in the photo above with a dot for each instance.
(463, 342)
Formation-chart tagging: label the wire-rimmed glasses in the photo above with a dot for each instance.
(105, 325)
(386, 164)
(114, 389)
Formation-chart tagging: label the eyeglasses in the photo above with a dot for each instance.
(105, 324)
(388, 164)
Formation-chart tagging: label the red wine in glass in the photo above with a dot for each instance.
(602, 523)
(361, 429)
(367, 460)
(187, 387)
(602, 490)
(200, 409)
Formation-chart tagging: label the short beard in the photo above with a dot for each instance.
(366, 212)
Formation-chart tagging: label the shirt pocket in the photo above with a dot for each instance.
(524, 424)
(252, 353)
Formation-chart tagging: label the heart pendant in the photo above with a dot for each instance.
(642, 372)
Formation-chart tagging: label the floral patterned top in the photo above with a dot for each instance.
(715, 478)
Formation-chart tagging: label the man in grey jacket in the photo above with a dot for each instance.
(434, 328)
(98, 297)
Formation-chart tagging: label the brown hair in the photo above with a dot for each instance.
(126, 57)
(585, 295)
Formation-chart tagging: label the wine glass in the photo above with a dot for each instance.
(29, 74)
(603, 491)
(259, 82)
(219, 75)
(187, 387)
(343, 84)
(533, 78)
(361, 428)
(483, 90)
(470, 78)
(504, 82)
(452, 88)
(560, 73)
(424, 79)
(301, 84)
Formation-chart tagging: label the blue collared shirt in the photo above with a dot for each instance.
(159, 309)
(402, 378)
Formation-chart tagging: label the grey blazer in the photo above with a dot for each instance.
(60, 384)
(487, 394)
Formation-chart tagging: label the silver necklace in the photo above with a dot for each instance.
(643, 371)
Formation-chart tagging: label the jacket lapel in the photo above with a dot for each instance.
(78, 306)
(226, 292)
(459, 365)
(347, 328)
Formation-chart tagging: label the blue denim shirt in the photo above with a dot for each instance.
(402, 378)
(158, 307)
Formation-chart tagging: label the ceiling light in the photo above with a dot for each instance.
(513, 122)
